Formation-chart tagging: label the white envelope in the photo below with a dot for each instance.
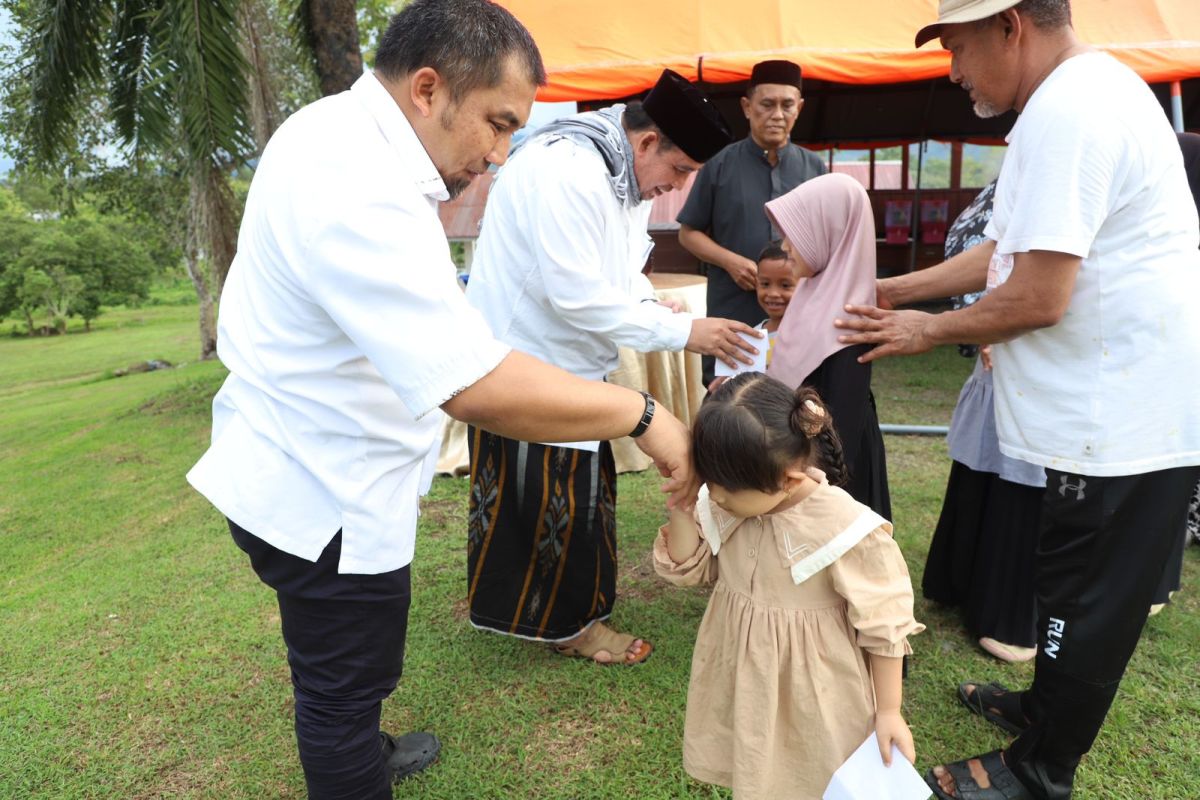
(865, 777)
(760, 360)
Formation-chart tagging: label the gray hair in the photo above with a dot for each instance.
(1044, 14)
(466, 41)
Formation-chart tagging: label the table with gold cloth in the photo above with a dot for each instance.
(673, 378)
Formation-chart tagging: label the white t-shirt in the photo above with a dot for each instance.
(1093, 169)
(344, 328)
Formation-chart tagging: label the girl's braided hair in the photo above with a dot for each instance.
(753, 428)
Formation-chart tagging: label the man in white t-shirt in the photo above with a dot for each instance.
(1092, 253)
(345, 331)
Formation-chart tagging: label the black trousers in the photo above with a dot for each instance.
(1100, 557)
(345, 646)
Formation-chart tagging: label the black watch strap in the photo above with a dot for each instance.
(647, 415)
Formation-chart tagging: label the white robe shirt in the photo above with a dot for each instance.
(343, 328)
(558, 268)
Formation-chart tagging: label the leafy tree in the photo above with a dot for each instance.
(71, 267)
(373, 18)
(153, 200)
(16, 229)
(44, 276)
(194, 88)
(189, 87)
(165, 76)
(52, 289)
(112, 263)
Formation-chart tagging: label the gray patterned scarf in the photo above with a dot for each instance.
(602, 130)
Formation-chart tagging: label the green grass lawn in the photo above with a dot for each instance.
(141, 658)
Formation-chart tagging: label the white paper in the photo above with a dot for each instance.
(865, 777)
(760, 360)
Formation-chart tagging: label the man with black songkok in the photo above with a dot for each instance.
(557, 273)
(723, 223)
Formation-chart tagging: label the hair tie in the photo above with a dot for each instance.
(815, 427)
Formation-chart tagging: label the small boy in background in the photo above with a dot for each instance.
(777, 278)
(776, 282)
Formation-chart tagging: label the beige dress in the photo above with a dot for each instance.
(781, 691)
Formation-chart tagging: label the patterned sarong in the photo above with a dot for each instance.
(541, 537)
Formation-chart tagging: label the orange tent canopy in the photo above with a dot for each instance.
(617, 48)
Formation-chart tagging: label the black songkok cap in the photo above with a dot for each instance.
(686, 117)
(782, 72)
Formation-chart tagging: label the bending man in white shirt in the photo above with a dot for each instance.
(344, 331)
(558, 274)
(1093, 268)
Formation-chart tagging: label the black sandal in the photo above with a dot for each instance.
(995, 703)
(1004, 785)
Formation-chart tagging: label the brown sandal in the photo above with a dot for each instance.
(601, 638)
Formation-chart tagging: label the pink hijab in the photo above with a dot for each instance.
(829, 223)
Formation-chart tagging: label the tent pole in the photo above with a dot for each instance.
(916, 203)
(1177, 106)
(916, 207)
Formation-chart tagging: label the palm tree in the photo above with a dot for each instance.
(328, 29)
(176, 81)
(186, 80)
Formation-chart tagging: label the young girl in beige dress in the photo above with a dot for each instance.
(799, 655)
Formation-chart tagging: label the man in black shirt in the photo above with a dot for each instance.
(723, 222)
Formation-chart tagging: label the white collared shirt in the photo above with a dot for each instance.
(558, 267)
(343, 328)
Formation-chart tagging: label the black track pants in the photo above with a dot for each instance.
(1100, 556)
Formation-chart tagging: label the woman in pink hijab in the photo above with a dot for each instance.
(829, 230)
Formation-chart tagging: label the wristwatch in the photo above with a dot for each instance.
(647, 415)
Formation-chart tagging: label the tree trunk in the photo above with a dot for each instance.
(211, 239)
(333, 31)
(208, 320)
(213, 222)
(264, 101)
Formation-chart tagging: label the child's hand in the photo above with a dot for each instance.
(890, 728)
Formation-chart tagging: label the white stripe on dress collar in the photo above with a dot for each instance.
(836, 547)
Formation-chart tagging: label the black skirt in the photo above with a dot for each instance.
(845, 386)
(982, 554)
